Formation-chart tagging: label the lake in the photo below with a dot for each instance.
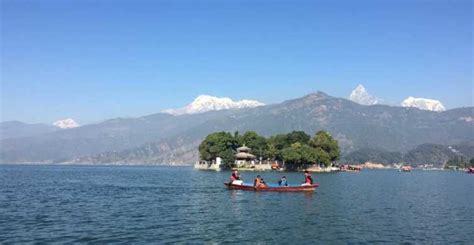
(109, 204)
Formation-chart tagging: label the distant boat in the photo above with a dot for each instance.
(405, 169)
(350, 168)
(276, 166)
(247, 187)
(470, 170)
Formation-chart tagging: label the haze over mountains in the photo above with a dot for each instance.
(165, 138)
(16, 129)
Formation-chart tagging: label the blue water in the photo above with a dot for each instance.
(179, 204)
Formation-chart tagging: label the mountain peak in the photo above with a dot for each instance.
(317, 94)
(361, 96)
(423, 104)
(204, 103)
(66, 123)
(321, 94)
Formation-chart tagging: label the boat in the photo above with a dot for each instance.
(406, 169)
(247, 187)
(276, 166)
(350, 168)
(470, 170)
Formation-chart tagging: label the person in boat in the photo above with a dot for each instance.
(259, 182)
(235, 178)
(308, 180)
(283, 181)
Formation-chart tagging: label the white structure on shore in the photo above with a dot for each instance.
(213, 165)
(244, 160)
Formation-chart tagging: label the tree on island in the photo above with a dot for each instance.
(219, 144)
(299, 155)
(272, 152)
(282, 141)
(321, 149)
(297, 137)
(327, 147)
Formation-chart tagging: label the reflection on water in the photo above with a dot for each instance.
(236, 204)
(180, 205)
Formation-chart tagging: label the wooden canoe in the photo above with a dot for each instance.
(272, 188)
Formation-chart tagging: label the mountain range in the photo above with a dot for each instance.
(66, 123)
(166, 138)
(16, 129)
(205, 103)
(423, 104)
(361, 96)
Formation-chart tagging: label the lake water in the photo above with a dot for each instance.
(105, 204)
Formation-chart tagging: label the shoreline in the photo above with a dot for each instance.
(98, 165)
(223, 169)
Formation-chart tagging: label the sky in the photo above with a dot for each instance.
(96, 60)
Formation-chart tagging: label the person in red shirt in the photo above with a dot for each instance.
(308, 180)
(235, 176)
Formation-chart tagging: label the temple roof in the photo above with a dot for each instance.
(243, 149)
(244, 155)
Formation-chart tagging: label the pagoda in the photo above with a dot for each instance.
(244, 156)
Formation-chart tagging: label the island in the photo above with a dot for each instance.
(294, 151)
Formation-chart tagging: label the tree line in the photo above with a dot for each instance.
(460, 162)
(296, 149)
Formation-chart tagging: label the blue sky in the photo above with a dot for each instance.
(94, 60)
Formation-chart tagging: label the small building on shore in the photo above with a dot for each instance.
(212, 165)
(243, 156)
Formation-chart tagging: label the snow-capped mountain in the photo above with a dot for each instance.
(423, 104)
(66, 123)
(204, 103)
(361, 96)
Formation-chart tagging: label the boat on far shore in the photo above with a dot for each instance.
(350, 168)
(405, 169)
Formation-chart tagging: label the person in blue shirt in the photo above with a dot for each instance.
(283, 181)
